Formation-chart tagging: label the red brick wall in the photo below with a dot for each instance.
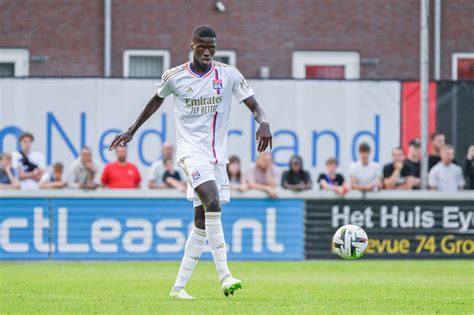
(262, 32)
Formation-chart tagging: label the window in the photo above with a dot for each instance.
(463, 66)
(145, 63)
(225, 56)
(14, 62)
(326, 65)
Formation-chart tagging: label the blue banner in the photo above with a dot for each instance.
(144, 229)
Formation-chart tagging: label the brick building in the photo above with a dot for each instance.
(365, 39)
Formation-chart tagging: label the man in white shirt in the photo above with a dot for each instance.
(202, 92)
(30, 165)
(446, 176)
(365, 174)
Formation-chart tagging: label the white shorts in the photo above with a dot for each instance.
(199, 170)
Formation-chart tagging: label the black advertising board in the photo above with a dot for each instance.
(396, 228)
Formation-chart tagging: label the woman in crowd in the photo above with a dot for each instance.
(296, 178)
(331, 180)
(236, 178)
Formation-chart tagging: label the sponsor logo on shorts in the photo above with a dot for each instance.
(196, 175)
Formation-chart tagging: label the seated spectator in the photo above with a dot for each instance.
(365, 174)
(469, 167)
(296, 178)
(413, 159)
(54, 179)
(8, 179)
(157, 169)
(398, 174)
(331, 180)
(83, 171)
(171, 177)
(121, 174)
(263, 176)
(446, 176)
(29, 164)
(236, 178)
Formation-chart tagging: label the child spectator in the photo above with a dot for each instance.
(8, 179)
(365, 174)
(331, 180)
(296, 179)
(236, 178)
(171, 177)
(446, 176)
(263, 176)
(121, 174)
(29, 164)
(54, 179)
(157, 169)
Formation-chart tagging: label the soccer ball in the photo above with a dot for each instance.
(350, 242)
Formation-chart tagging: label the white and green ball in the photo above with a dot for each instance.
(350, 242)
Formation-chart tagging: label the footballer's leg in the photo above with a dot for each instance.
(192, 253)
(209, 196)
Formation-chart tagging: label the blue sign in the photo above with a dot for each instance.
(144, 229)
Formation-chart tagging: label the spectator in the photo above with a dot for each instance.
(296, 178)
(28, 163)
(171, 177)
(446, 176)
(236, 178)
(469, 167)
(413, 159)
(8, 179)
(83, 171)
(263, 176)
(331, 180)
(398, 174)
(157, 169)
(365, 174)
(54, 179)
(438, 140)
(121, 174)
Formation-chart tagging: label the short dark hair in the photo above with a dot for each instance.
(364, 147)
(204, 31)
(415, 143)
(27, 135)
(435, 134)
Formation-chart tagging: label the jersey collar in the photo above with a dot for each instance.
(197, 75)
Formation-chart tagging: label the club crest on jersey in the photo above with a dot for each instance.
(217, 85)
(196, 175)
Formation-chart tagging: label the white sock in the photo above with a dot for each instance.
(215, 236)
(192, 253)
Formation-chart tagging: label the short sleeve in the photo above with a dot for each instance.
(307, 178)
(251, 174)
(321, 177)
(340, 179)
(41, 161)
(353, 170)
(241, 89)
(284, 178)
(165, 87)
(104, 179)
(45, 178)
(387, 172)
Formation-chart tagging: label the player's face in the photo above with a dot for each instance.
(204, 49)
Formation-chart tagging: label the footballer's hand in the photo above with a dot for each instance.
(264, 136)
(121, 139)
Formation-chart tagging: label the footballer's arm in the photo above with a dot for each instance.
(126, 136)
(264, 135)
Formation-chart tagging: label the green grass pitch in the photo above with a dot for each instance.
(313, 287)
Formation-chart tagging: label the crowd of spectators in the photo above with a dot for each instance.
(26, 169)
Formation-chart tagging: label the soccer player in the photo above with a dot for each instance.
(202, 90)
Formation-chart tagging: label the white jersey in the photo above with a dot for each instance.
(202, 108)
